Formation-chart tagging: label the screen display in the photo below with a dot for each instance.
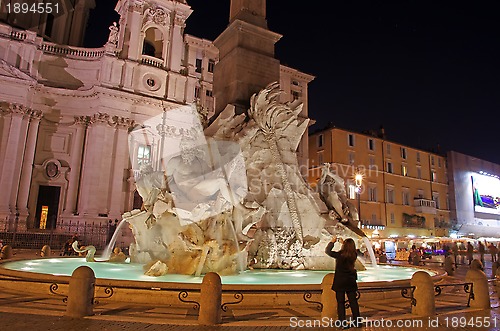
(486, 194)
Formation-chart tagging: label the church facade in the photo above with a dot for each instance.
(66, 111)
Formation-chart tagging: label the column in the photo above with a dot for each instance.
(9, 178)
(70, 206)
(27, 166)
(91, 165)
(117, 195)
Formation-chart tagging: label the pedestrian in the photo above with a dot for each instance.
(345, 280)
(481, 249)
(470, 252)
(493, 251)
(498, 252)
(454, 249)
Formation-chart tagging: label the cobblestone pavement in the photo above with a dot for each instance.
(21, 311)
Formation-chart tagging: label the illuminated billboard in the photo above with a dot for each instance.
(486, 193)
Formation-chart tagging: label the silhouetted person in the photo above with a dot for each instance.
(344, 279)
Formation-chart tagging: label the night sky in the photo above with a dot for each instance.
(425, 70)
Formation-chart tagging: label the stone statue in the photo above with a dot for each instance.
(113, 34)
(232, 196)
(89, 249)
(333, 193)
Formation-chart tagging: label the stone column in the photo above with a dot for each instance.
(120, 164)
(423, 294)
(11, 171)
(176, 43)
(133, 46)
(89, 189)
(27, 166)
(70, 206)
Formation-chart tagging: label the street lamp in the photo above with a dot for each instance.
(359, 181)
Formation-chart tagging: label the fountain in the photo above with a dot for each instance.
(229, 198)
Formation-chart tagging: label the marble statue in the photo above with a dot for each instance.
(113, 34)
(232, 195)
(332, 191)
(90, 250)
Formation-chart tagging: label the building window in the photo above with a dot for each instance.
(211, 65)
(419, 173)
(390, 195)
(433, 176)
(295, 95)
(374, 218)
(389, 167)
(447, 202)
(372, 163)
(320, 140)
(352, 191)
(420, 194)
(403, 153)
(372, 194)
(371, 144)
(143, 155)
(351, 158)
(320, 158)
(296, 83)
(439, 162)
(406, 198)
(197, 92)
(393, 218)
(432, 160)
(49, 24)
(198, 65)
(350, 140)
(404, 170)
(388, 149)
(435, 198)
(209, 93)
(418, 156)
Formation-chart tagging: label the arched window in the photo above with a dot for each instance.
(153, 43)
(148, 49)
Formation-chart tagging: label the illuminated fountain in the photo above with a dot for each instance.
(229, 198)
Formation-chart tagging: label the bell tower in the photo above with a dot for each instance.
(246, 56)
(152, 30)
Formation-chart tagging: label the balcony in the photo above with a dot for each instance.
(425, 206)
(152, 61)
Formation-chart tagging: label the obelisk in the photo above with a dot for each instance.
(246, 56)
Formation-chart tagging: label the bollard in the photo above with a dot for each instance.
(494, 268)
(45, 252)
(449, 265)
(210, 300)
(480, 287)
(423, 294)
(81, 293)
(328, 299)
(476, 265)
(497, 282)
(6, 252)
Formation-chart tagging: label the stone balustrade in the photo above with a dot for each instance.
(72, 52)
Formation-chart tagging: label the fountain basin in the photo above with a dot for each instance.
(261, 287)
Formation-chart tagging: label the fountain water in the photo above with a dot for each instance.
(370, 251)
(111, 245)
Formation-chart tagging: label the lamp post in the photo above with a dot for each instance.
(359, 181)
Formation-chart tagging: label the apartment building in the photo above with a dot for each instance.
(403, 191)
